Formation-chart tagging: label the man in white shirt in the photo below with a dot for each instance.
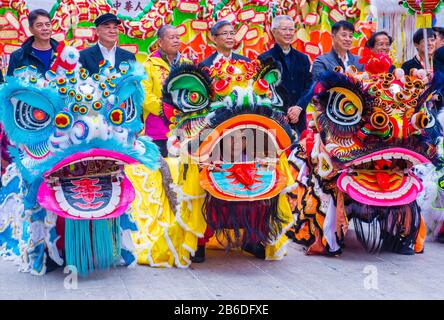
(108, 54)
(107, 30)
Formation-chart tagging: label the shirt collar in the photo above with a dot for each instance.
(220, 55)
(103, 48)
(282, 49)
(345, 61)
(164, 56)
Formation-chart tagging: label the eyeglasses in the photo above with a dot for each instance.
(286, 29)
(225, 34)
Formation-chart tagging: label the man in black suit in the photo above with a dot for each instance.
(296, 76)
(222, 34)
(106, 48)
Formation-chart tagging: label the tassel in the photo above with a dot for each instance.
(99, 253)
(390, 228)
(78, 245)
(106, 243)
(260, 220)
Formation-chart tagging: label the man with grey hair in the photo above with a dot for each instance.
(222, 34)
(296, 77)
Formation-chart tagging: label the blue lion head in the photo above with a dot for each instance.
(72, 134)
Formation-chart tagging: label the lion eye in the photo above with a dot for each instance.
(344, 107)
(28, 117)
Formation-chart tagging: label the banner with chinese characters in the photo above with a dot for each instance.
(73, 21)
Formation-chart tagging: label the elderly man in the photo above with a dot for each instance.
(296, 77)
(222, 34)
(379, 42)
(342, 39)
(106, 48)
(39, 49)
(157, 66)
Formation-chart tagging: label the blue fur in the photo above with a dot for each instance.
(128, 257)
(46, 99)
(127, 223)
(8, 241)
(129, 85)
(149, 159)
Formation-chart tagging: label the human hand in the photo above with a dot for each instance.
(294, 113)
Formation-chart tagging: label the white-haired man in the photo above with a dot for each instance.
(296, 77)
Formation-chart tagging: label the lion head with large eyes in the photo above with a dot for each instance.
(367, 133)
(374, 131)
(72, 135)
(228, 120)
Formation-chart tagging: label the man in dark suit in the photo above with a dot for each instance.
(106, 48)
(222, 34)
(340, 55)
(296, 76)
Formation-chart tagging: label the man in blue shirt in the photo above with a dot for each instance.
(39, 49)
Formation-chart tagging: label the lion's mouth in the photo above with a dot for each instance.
(383, 178)
(242, 164)
(87, 186)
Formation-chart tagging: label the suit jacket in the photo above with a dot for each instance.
(208, 62)
(91, 57)
(438, 60)
(26, 57)
(328, 61)
(296, 80)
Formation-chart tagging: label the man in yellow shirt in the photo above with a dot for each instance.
(157, 67)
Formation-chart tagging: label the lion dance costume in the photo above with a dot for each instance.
(66, 193)
(226, 188)
(367, 132)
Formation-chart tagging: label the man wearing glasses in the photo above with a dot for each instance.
(222, 34)
(296, 77)
(39, 49)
